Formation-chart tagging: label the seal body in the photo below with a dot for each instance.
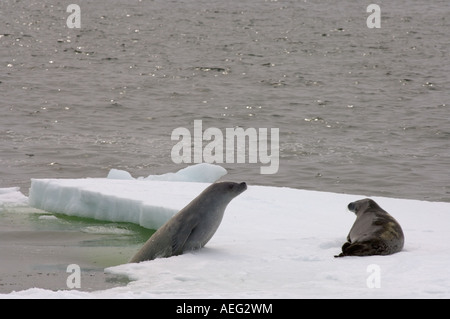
(193, 226)
(374, 232)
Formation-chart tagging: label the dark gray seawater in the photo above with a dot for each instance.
(363, 111)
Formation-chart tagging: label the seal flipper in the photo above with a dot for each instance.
(355, 249)
(179, 239)
(366, 248)
(344, 248)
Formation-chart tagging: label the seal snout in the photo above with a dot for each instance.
(241, 187)
(351, 207)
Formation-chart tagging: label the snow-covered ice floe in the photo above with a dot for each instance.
(274, 242)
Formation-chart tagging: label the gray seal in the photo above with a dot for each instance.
(374, 232)
(193, 226)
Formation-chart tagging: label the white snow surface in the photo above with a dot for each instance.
(274, 242)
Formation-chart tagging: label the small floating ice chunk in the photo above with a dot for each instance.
(107, 230)
(201, 173)
(48, 217)
(12, 197)
(119, 174)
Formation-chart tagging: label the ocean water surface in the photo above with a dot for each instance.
(359, 110)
